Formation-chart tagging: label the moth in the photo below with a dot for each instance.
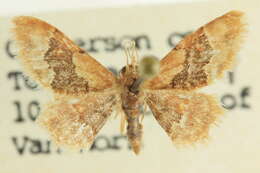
(86, 93)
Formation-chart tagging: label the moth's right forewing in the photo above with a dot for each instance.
(55, 61)
(226, 35)
(202, 56)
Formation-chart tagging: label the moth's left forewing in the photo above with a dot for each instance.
(55, 61)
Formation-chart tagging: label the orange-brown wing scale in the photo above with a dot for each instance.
(75, 122)
(185, 116)
(55, 61)
(85, 91)
(195, 62)
(201, 56)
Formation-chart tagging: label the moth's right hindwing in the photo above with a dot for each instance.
(185, 116)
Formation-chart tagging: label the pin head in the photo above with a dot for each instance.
(149, 67)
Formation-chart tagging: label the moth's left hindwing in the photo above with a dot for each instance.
(75, 121)
(57, 63)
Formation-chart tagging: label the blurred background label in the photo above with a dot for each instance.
(156, 29)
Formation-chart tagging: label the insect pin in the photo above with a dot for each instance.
(86, 93)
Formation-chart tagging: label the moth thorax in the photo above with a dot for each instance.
(129, 78)
(149, 67)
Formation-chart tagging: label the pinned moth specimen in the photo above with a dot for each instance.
(86, 93)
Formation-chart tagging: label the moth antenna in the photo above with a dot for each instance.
(131, 53)
(126, 53)
(135, 56)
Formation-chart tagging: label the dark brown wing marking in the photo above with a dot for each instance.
(55, 61)
(202, 56)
